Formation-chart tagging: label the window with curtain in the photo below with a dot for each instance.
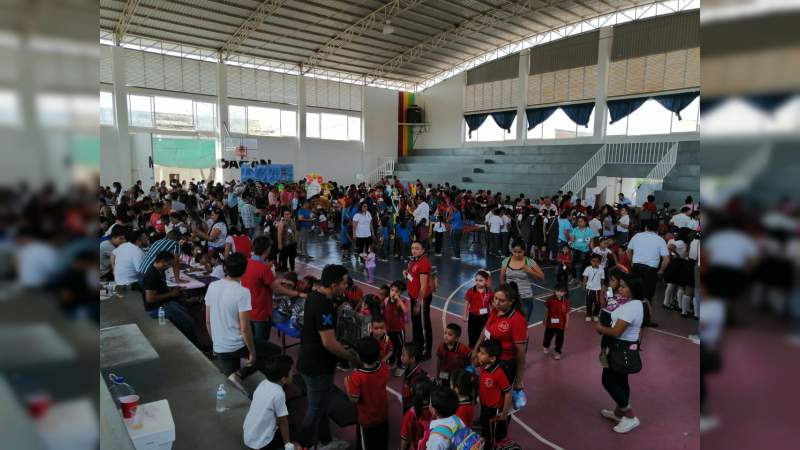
(489, 131)
(739, 117)
(560, 126)
(106, 108)
(653, 118)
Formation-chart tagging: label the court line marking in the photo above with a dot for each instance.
(533, 433)
(668, 333)
(527, 428)
(450, 297)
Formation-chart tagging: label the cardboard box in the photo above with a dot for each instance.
(158, 429)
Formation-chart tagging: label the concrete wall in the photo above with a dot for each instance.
(334, 160)
(444, 105)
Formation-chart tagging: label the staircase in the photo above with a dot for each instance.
(684, 178)
(531, 170)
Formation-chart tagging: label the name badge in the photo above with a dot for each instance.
(444, 376)
(487, 334)
(555, 320)
(484, 311)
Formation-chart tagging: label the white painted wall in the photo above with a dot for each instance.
(443, 104)
(380, 126)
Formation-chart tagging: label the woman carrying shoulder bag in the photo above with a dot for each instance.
(623, 353)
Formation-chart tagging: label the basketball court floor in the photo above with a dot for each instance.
(564, 397)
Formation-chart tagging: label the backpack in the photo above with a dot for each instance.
(298, 313)
(461, 438)
(507, 261)
(351, 326)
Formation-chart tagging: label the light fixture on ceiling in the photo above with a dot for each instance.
(388, 28)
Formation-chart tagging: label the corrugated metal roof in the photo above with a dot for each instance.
(294, 30)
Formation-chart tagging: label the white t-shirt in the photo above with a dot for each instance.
(219, 242)
(495, 224)
(218, 271)
(624, 224)
(648, 248)
(261, 424)
(680, 220)
(439, 227)
(423, 211)
(633, 313)
(694, 250)
(594, 278)
(363, 224)
(596, 225)
(225, 299)
(36, 263)
(506, 223)
(712, 321)
(730, 248)
(603, 252)
(127, 258)
(680, 247)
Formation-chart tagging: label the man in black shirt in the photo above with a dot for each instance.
(156, 293)
(318, 352)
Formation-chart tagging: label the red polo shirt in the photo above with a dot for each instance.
(493, 386)
(394, 316)
(557, 311)
(452, 359)
(409, 380)
(369, 387)
(479, 302)
(413, 427)
(421, 266)
(466, 411)
(509, 330)
(257, 279)
(385, 345)
(355, 295)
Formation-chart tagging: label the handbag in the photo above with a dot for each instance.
(623, 357)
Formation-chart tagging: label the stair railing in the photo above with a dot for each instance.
(385, 168)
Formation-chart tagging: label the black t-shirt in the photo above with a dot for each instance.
(320, 315)
(154, 280)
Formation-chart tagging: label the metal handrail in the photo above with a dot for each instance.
(587, 172)
(664, 165)
(384, 169)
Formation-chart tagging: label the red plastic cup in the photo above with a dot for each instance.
(38, 404)
(129, 404)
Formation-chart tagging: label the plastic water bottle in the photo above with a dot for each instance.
(221, 398)
(119, 388)
(162, 316)
(520, 399)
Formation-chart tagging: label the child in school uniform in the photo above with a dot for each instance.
(593, 280)
(409, 358)
(556, 317)
(564, 260)
(477, 303)
(394, 313)
(465, 385)
(445, 423)
(378, 332)
(451, 356)
(418, 417)
(606, 255)
(266, 425)
(367, 388)
(322, 222)
(494, 392)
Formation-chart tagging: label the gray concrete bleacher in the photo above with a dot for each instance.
(532, 170)
(539, 170)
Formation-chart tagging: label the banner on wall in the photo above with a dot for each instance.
(405, 133)
(268, 173)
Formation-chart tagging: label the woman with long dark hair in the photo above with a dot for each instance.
(507, 325)
(623, 354)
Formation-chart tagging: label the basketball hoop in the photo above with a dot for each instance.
(241, 151)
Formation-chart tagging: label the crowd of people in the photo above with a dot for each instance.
(249, 233)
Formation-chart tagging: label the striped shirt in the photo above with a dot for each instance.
(158, 247)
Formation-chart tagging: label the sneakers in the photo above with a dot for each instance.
(609, 414)
(557, 356)
(596, 319)
(236, 381)
(588, 319)
(626, 424)
(545, 350)
(455, 257)
(708, 423)
(438, 254)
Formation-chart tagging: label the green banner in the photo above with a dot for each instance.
(184, 153)
(85, 151)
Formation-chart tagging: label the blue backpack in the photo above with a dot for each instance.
(461, 437)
